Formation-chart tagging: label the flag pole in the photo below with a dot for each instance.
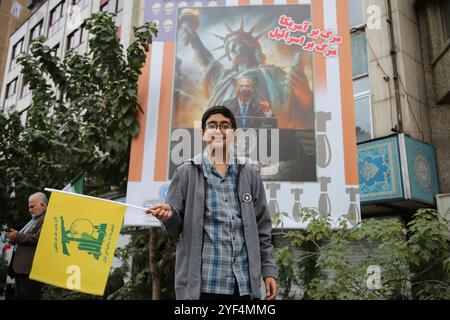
(94, 198)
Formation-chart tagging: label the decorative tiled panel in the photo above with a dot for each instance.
(379, 171)
(422, 171)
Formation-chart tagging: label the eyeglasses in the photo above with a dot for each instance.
(224, 126)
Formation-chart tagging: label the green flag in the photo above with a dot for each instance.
(76, 185)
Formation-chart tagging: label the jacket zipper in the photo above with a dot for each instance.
(237, 186)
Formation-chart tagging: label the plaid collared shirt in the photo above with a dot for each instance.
(224, 254)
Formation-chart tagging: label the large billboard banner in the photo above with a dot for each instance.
(283, 68)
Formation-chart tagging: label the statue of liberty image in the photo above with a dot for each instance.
(287, 93)
(89, 237)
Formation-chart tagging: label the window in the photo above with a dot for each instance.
(56, 50)
(361, 85)
(355, 8)
(77, 40)
(363, 108)
(16, 51)
(116, 7)
(363, 118)
(113, 6)
(36, 31)
(360, 72)
(25, 90)
(359, 53)
(445, 9)
(81, 3)
(11, 89)
(56, 19)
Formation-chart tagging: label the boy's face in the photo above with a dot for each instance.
(218, 132)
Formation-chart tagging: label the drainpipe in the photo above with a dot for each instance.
(399, 127)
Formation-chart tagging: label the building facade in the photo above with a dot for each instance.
(12, 14)
(61, 22)
(388, 70)
(401, 91)
(434, 30)
(401, 63)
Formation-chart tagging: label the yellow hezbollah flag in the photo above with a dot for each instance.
(77, 242)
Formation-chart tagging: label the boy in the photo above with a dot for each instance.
(219, 207)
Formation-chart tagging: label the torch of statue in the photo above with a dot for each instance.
(189, 23)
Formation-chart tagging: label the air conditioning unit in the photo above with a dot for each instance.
(443, 206)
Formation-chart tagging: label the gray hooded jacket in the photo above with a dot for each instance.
(186, 196)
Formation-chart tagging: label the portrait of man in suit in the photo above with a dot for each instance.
(250, 111)
(25, 243)
(224, 57)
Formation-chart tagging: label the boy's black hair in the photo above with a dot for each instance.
(219, 110)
